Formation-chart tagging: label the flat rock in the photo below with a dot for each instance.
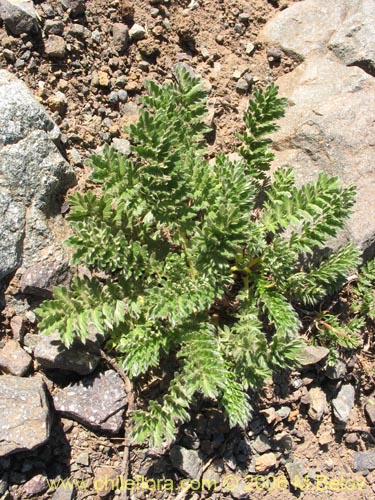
(261, 444)
(364, 460)
(186, 461)
(25, 418)
(343, 404)
(296, 472)
(14, 360)
(97, 401)
(33, 173)
(40, 278)
(19, 16)
(51, 353)
(311, 355)
(330, 127)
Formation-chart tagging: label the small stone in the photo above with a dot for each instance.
(144, 66)
(219, 39)
(274, 54)
(242, 86)
(96, 36)
(79, 31)
(113, 97)
(14, 360)
(343, 404)
(337, 371)
(83, 459)
(296, 472)
(120, 34)
(265, 462)
(137, 32)
(105, 475)
(126, 9)
(325, 438)
(17, 325)
(76, 8)
(122, 146)
(3, 486)
(250, 49)
(64, 492)
(318, 403)
(76, 157)
(40, 279)
(352, 439)
(103, 79)
(204, 53)
(330, 464)
(122, 95)
(53, 27)
(186, 461)
(154, 12)
(51, 353)
(261, 444)
(55, 47)
(9, 55)
(58, 102)
(364, 460)
(312, 355)
(240, 490)
(36, 485)
(283, 412)
(244, 17)
(370, 409)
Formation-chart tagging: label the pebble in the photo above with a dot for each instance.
(137, 32)
(14, 360)
(122, 95)
(113, 97)
(325, 438)
(3, 486)
(318, 403)
(96, 36)
(337, 371)
(55, 47)
(120, 34)
(144, 66)
(36, 485)
(261, 444)
(352, 438)
(250, 49)
(265, 462)
(244, 17)
(283, 412)
(83, 459)
(343, 404)
(53, 27)
(370, 409)
(76, 157)
(274, 54)
(103, 79)
(58, 102)
(242, 86)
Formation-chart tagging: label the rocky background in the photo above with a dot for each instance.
(71, 73)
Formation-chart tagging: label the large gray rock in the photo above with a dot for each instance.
(98, 402)
(24, 414)
(19, 16)
(330, 127)
(32, 174)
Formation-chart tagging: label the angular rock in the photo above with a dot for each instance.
(32, 174)
(53, 27)
(137, 32)
(14, 360)
(104, 476)
(40, 279)
(343, 404)
(76, 7)
(97, 401)
(37, 485)
(261, 444)
(265, 462)
(51, 353)
(186, 461)
(364, 461)
(329, 127)
(19, 16)
(64, 492)
(318, 403)
(55, 47)
(311, 355)
(25, 418)
(120, 33)
(296, 472)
